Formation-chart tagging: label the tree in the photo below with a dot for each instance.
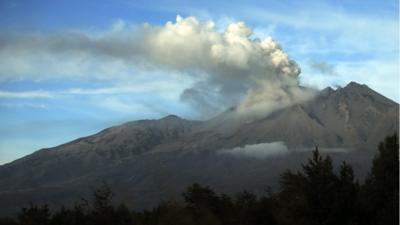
(66, 216)
(202, 203)
(170, 213)
(314, 195)
(245, 204)
(102, 198)
(308, 196)
(226, 210)
(345, 208)
(198, 197)
(103, 211)
(123, 215)
(381, 191)
(35, 215)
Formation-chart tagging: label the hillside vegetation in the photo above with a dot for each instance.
(315, 194)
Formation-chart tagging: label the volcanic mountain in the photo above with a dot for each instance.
(146, 161)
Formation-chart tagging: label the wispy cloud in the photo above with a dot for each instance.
(323, 67)
(381, 75)
(26, 94)
(166, 87)
(348, 26)
(169, 90)
(21, 105)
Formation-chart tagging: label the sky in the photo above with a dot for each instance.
(71, 68)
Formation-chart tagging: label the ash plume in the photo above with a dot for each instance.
(229, 68)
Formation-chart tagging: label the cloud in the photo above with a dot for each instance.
(322, 67)
(379, 74)
(26, 94)
(117, 104)
(346, 28)
(227, 68)
(261, 151)
(20, 105)
(167, 88)
(163, 87)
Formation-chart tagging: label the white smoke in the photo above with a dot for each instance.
(228, 68)
(261, 150)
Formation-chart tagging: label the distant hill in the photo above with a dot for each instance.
(148, 160)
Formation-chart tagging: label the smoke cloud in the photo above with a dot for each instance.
(323, 67)
(229, 68)
(260, 151)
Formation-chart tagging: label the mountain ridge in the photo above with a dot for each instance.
(351, 87)
(156, 158)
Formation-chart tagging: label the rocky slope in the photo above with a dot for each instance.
(148, 160)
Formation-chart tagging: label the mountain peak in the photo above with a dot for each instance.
(353, 84)
(171, 117)
(356, 88)
(362, 90)
(327, 90)
(140, 155)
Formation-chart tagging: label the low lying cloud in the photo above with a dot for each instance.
(229, 68)
(260, 151)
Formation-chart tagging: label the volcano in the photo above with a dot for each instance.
(146, 161)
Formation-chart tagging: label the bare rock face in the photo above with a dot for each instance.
(149, 160)
(351, 117)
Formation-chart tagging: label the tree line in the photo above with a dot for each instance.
(313, 195)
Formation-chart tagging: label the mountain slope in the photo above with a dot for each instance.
(348, 118)
(148, 160)
(351, 117)
(89, 154)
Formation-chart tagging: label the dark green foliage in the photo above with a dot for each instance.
(69, 217)
(203, 203)
(344, 210)
(315, 195)
(123, 216)
(35, 215)
(308, 195)
(169, 213)
(381, 190)
(253, 210)
(103, 211)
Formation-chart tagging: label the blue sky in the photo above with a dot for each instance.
(49, 100)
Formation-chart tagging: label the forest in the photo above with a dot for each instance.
(317, 194)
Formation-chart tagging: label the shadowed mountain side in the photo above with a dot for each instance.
(351, 117)
(143, 181)
(149, 160)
